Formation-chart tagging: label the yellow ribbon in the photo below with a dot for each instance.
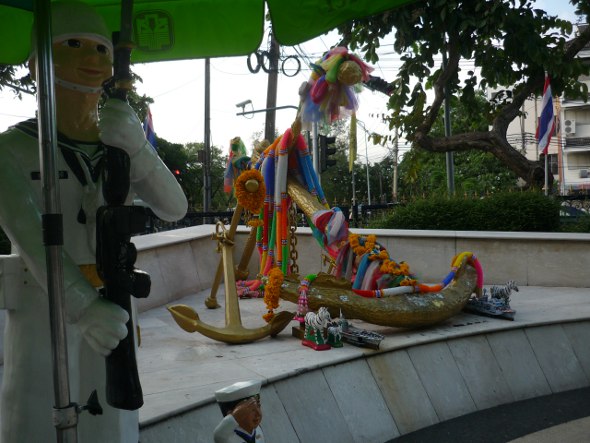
(91, 275)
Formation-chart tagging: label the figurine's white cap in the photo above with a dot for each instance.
(74, 19)
(238, 391)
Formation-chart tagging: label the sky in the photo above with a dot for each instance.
(179, 105)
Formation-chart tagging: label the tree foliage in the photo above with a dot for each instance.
(177, 157)
(14, 78)
(475, 172)
(183, 159)
(511, 44)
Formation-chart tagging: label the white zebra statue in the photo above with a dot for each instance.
(496, 303)
(503, 292)
(315, 327)
(335, 334)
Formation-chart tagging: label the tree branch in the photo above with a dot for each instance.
(439, 92)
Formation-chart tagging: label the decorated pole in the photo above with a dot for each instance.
(65, 414)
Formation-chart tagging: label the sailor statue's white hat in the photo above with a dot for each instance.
(238, 391)
(75, 19)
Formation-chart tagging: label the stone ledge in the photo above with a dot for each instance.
(530, 259)
(380, 396)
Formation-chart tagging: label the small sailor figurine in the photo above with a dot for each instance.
(240, 406)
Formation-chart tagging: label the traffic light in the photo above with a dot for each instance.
(178, 174)
(326, 149)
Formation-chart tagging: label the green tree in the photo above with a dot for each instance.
(381, 175)
(475, 172)
(512, 44)
(13, 77)
(139, 103)
(182, 160)
(18, 79)
(336, 180)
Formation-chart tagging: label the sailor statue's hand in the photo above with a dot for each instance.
(103, 325)
(120, 127)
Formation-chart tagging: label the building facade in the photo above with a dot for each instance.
(569, 149)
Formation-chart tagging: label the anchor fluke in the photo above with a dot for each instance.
(185, 317)
(233, 333)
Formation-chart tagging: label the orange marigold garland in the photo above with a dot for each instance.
(255, 222)
(392, 278)
(272, 290)
(362, 249)
(390, 274)
(250, 201)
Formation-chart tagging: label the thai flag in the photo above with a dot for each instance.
(148, 128)
(546, 125)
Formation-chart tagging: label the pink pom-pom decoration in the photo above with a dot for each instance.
(330, 92)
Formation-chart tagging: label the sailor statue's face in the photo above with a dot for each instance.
(251, 415)
(82, 61)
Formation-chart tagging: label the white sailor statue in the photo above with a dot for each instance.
(82, 61)
(240, 406)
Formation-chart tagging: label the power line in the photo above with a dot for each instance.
(15, 115)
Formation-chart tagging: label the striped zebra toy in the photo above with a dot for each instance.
(315, 329)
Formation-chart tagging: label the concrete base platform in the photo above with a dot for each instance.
(416, 379)
(574, 431)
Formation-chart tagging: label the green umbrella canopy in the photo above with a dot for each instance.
(188, 29)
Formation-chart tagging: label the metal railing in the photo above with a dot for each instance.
(358, 216)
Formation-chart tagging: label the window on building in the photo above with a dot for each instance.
(578, 160)
(553, 166)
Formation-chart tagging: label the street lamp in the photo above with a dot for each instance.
(243, 105)
(367, 158)
(254, 111)
(269, 127)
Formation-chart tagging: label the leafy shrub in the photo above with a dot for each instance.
(582, 225)
(518, 211)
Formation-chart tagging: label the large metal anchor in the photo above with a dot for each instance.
(233, 332)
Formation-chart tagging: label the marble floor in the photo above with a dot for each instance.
(181, 370)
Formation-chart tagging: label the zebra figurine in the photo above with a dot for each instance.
(496, 303)
(503, 292)
(315, 326)
(335, 334)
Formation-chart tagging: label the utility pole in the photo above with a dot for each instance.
(271, 92)
(367, 158)
(395, 152)
(315, 154)
(380, 184)
(447, 109)
(207, 139)
(522, 132)
(353, 200)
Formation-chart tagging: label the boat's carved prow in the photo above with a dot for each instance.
(403, 310)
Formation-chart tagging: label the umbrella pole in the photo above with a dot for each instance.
(65, 413)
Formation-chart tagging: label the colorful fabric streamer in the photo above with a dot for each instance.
(330, 91)
(333, 228)
(237, 161)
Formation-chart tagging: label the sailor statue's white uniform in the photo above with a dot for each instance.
(228, 431)
(82, 61)
(27, 395)
(240, 406)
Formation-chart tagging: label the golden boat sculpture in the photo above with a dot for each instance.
(404, 310)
